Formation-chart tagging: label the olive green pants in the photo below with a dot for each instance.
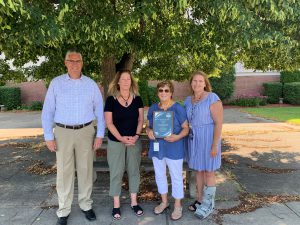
(120, 156)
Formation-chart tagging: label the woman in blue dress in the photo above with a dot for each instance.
(168, 151)
(205, 116)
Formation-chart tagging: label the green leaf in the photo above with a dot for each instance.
(2, 3)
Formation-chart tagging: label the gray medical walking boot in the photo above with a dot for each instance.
(208, 203)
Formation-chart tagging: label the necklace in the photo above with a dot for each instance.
(166, 106)
(199, 98)
(126, 100)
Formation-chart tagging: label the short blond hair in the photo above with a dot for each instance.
(114, 87)
(206, 80)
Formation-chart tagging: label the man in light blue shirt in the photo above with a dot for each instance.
(72, 102)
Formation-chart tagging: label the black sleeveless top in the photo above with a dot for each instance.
(125, 119)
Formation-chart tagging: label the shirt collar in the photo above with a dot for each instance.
(67, 77)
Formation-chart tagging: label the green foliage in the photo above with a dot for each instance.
(250, 101)
(143, 90)
(223, 85)
(7, 74)
(290, 76)
(169, 38)
(291, 93)
(273, 91)
(147, 93)
(10, 97)
(152, 95)
(35, 106)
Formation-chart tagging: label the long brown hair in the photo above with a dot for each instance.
(114, 87)
(206, 80)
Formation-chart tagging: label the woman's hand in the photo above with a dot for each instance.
(150, 134)
(134, 139)
(127, 140)
(172, 138)
(214, 151)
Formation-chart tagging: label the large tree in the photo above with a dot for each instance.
(160, 39)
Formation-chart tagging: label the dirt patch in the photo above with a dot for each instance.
(148, 188)
(251, 202)
(39, 168)
(270, 170)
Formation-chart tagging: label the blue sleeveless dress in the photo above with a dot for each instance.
(200, 142)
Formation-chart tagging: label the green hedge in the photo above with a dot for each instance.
(250, 101)
(291, 93)
(273, 91)
(147, 93)
(223, 86)
(10, 97)
(143, 90)
(152, 95)
(289, 76)
(35, 106)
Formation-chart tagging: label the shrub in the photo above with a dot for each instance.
(10, 97)
(143, 90)
(152, 95)
(289, 76)
(250, 100)
(147, 93)
(273, 91)
(291, 93)
(35, 105)
(223, 86)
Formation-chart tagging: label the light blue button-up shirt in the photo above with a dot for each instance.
(72, 102)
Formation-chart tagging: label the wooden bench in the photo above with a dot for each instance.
(101, 165)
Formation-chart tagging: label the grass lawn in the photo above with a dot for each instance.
(284, 114)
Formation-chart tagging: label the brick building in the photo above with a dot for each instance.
(248, 82)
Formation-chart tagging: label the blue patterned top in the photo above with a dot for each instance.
(201, 135)
(170, 150)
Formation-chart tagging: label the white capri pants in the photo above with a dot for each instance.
(175, 169)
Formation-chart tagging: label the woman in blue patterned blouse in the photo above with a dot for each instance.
(168, 151)
(205, 115)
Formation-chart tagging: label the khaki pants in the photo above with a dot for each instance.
(119, 156)
(74, 148)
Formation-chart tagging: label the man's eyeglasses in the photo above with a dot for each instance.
(163, 90)
(74, 61)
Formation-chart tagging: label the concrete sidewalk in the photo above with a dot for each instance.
(261, 162)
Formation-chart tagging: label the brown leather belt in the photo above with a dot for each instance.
(74, 127)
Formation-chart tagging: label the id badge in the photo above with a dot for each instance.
(156, 146)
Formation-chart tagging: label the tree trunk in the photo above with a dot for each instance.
(109, 67)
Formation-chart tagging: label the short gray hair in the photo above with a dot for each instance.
(72, 52)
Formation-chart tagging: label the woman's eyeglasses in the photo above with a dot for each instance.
(163, 90)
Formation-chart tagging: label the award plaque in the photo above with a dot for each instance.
(163, 123)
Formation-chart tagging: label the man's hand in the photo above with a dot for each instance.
(51, 145)
(97, 143)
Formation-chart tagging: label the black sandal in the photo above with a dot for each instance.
(136, 209)
(193, 205)
(116, 211)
